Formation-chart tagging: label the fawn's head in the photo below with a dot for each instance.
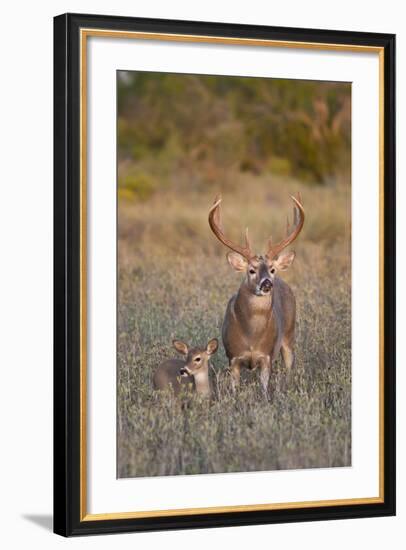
(196, 359)
(260, 270)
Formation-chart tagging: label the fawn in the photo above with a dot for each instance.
(193, 370)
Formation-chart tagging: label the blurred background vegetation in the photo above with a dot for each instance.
(205, 129)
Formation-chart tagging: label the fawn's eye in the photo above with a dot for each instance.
(197, 359)
(252, 271)
(273, 270)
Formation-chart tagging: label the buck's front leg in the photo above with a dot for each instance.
(264, 364)
(235, 371)
(288, 356)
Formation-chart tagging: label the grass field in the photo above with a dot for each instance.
(174, 281)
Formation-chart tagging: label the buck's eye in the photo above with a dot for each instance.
(197, 359)
(273, 270)
(252, 271)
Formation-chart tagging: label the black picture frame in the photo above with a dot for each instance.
(67, 382)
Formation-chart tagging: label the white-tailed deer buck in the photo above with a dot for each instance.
(260, 319)
(193, 370)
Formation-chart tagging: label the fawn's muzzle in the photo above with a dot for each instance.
(183, 371)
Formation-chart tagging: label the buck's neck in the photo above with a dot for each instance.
(249, 302)
(253, 313)
(202, 383)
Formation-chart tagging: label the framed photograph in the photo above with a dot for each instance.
(207, 374)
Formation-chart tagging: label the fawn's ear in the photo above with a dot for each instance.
(284, 261)
(237, 262)
(180, 346)
(212, 346)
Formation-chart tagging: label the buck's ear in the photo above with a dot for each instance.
(237, 262)
(284, 261)
(212, 346)
(181, 347)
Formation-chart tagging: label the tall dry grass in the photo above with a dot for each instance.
(174, 281)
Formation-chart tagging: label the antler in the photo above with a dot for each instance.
(216, 227)
(298, 221)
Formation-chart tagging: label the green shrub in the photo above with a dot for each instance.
(136, 186)
(279, 165)
(212, 127)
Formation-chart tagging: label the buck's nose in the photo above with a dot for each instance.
(266, 285)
